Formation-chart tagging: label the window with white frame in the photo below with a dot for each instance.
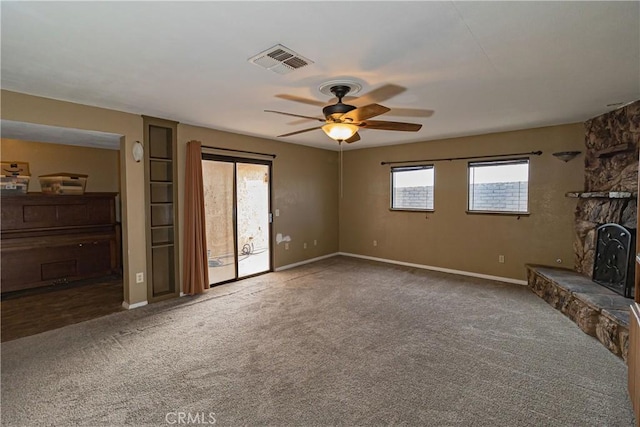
(499, 186)
(412, 188)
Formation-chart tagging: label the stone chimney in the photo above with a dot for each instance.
(611, 179)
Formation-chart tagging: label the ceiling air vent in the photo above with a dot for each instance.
(280, 59)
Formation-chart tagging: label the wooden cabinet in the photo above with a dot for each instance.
(50, 239)
(633, 358)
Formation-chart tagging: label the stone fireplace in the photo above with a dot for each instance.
(609, 199)
(611, 180)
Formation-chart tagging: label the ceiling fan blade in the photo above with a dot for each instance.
(301, 99)
(354, 138)
(295, 115)
(378, 95)
(298, 122)
(364, 113)
(410, 112)
(384, 125)
(299, 131)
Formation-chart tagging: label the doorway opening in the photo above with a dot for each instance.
(62, 263)
(237, 200)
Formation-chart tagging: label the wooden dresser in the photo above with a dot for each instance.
(49, 239)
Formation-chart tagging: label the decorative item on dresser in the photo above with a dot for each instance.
(54, 239)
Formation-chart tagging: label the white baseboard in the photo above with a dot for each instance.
(443, 270)
(306, 261)
(134, 305)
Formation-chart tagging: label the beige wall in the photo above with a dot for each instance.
(449, 237)
(304, 190)
(102, 166)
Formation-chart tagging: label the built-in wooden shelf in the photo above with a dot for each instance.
(161, 208)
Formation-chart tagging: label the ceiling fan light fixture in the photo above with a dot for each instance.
(340, 131)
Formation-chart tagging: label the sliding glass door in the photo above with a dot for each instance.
(237, 210)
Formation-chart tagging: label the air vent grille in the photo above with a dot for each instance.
(280, 59)
(280, 55)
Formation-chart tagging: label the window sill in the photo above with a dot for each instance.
(411, 210)
(498, 213)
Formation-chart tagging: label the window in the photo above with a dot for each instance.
(499, 186)
(412, 188)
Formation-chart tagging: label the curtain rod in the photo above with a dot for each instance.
(240, 151)
(535, 153)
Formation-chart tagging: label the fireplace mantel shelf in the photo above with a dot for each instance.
(602, 195)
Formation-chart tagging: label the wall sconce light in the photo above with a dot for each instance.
(137, 151)
(565, 156)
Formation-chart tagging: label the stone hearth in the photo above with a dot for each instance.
(596, 310)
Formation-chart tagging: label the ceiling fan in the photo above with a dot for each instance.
(343, 121)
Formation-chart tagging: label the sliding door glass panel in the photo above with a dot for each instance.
(252, 182)
(218, 180)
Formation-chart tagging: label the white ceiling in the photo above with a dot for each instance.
(481, 66)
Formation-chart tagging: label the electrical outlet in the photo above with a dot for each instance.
(501, 259)
(375, 243)
(304, 245)
(277, 212)
(315, 243)
(286, 246)
(139, 277)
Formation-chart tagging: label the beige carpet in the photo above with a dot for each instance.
(337, 342)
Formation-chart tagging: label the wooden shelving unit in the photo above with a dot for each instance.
(161, 207)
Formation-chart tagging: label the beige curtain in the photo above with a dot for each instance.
(196, 271)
